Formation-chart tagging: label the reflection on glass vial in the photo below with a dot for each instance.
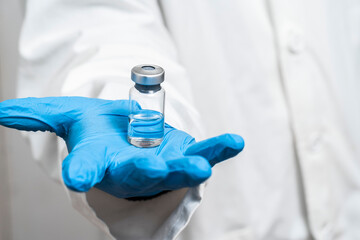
(146, 128)
(146, 119)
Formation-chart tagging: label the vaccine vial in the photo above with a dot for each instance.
(146, 119)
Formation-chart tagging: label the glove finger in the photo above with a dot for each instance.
(84, 167)
(187, 171)
(119, 107)
(134, 175)
(217, 149)
(38, 114)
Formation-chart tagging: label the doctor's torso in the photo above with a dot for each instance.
(271, 71)
(283, 75)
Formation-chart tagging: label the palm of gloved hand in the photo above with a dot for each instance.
(95, 132)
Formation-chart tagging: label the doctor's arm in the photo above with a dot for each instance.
(87, 48)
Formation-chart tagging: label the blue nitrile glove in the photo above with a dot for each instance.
(95, 132)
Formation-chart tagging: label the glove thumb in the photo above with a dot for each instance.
(84, 167)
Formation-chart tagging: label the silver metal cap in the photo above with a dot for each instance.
(147, 74)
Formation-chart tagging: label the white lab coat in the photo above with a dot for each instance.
(271, 71)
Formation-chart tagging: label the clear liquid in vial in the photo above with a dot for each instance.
(146, 128)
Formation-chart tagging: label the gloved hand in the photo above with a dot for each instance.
(95, 132)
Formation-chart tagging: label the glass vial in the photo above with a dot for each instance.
(146, 119)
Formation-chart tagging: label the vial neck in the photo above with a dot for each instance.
(147, 88)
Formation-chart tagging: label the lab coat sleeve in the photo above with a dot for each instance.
(87, 48)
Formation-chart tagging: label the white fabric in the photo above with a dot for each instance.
(271, 71)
